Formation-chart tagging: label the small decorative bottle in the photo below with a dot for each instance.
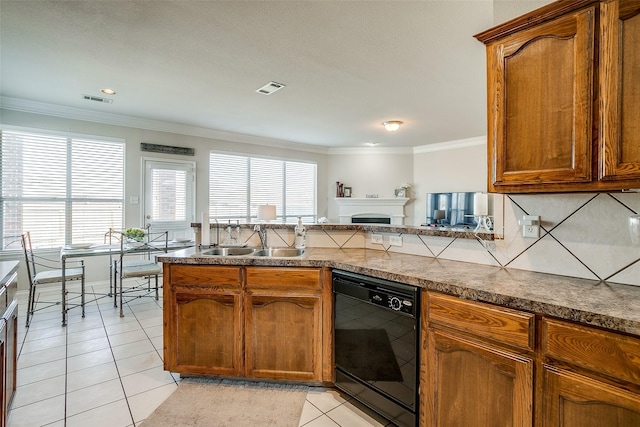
(300, 240)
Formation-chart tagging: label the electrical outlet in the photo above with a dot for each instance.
(395, 240)
(376, 238)
(530, 226)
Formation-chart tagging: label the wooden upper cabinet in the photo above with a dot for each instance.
(620, 89)
(541, 122)
(563, 87)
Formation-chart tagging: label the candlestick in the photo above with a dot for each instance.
(480, 204)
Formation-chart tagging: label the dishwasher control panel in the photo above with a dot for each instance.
(394, 302)
(391, 295)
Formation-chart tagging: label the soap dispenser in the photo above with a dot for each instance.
(300, 240)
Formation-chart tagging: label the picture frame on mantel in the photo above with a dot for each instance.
(401, 192)
(347, 192)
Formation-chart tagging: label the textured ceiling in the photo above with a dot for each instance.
(347, 65)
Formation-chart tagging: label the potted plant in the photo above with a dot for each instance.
(136, 234)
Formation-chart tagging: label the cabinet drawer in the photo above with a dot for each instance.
(306, 278)
(508, 326)
(204, 275)
(603, 352)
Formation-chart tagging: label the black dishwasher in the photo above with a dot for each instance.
(376, 345)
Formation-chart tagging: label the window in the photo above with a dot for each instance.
(169, 194)
(61, 188)
(239, 184)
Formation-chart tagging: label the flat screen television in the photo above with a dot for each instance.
(450, 210)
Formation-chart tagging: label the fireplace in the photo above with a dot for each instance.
(370, 219)
(353, 210)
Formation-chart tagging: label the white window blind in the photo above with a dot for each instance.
(169, 202)
(60, 188)
(169, 194)
(239, 184)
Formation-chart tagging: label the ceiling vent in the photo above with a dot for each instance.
(269, 88)
(97, 99)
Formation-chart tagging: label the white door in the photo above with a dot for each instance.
(169, 196)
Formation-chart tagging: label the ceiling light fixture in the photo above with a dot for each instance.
(371, 144)
(392, 125)
(107, 91)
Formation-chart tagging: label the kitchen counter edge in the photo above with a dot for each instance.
(607, 305)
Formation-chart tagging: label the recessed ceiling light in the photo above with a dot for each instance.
(392, 125)
(108, 91)
(371, 144)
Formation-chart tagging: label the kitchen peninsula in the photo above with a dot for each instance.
(530, 338)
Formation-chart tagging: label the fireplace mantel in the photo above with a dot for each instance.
(358, 206)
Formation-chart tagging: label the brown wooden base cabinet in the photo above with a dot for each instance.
(575, 400)
(472, 381)
(485, 365)
(475, 374)
(252, 322)
(8, 345)
(591, 377)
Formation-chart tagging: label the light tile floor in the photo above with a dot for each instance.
(104, 370)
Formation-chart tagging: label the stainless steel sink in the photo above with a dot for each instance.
(229, 251)
(279, 252)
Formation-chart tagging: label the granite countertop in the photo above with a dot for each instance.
(602, 304)
(425, 230)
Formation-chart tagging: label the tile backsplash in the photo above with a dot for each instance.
(582, 235)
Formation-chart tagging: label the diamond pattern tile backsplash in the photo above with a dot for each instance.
(582, 235)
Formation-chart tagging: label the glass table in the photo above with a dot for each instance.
(111, 250)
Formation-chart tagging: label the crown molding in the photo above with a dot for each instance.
(371, 150)
(451, 145)
(73, 113)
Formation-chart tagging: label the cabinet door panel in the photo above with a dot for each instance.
(508, 326)
(202, 275)
(208, 333)
(472, 384)
(289, 277)
(620, 90)
(540, 125)
(11, 319)
(283, 337)
(3, 357)
(572, 400)
(602, 352)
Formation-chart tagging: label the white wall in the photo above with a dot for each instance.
(134, 136)
(133, 174)
(443, 169)
(505, 10)
(369, 171)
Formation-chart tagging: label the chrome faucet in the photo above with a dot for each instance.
(217, 232)
(262, 233)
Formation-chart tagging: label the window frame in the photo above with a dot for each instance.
(282, 216)
(68, 200)
(190, 204)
